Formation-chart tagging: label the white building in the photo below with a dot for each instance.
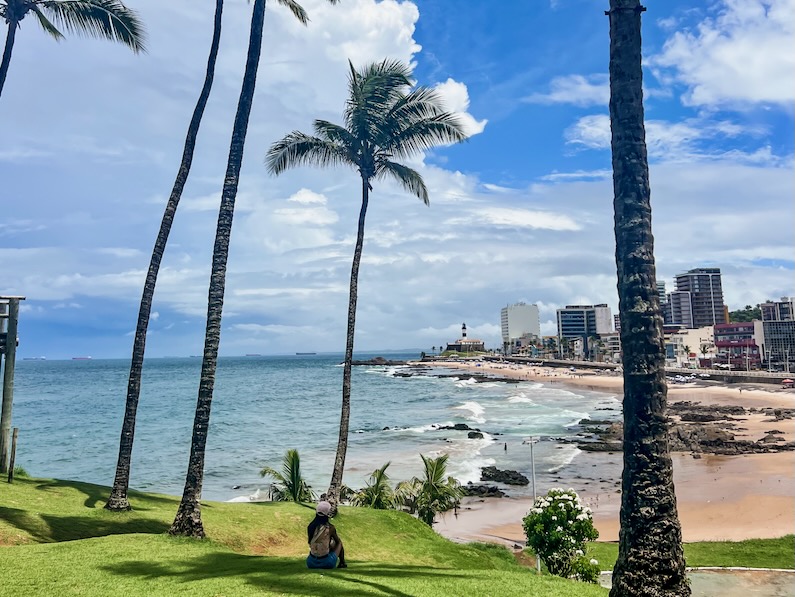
(519, 320)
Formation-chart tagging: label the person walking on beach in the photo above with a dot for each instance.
(325, 546)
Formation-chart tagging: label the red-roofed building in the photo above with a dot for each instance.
(735, 345)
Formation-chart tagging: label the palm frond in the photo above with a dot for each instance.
(45, 23)
(408, 178)
(299, 149)
(297, 10)
(371, 92)
(108, 19)
(441, 129)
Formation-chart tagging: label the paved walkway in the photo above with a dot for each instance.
(737, 583)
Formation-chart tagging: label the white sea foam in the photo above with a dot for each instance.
(567, 454)
(521, 397)
(476, 409)
(463, 383)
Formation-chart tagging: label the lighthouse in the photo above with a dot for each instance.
(464, 330)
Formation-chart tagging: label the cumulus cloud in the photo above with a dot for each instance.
(456, 100)
(741, 56)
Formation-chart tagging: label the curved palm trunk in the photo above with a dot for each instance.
(118, 496)
(345, 415)
(13, 25)
(650, 560)
(188, 518)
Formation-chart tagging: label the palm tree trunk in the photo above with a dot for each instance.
(345, 415)
(13, 25)
(188, 518)
(650, 560)
(118, 497)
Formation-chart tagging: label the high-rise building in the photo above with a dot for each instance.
(705, 301)
(678, 310)
(783, 310)
(661, 292)
(776, 332)
(583, 321)
(517, 321)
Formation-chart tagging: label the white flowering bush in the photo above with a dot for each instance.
(557, 528)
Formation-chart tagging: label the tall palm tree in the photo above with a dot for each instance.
(109, 19)
(650, 557)
(385, 120)
(188, 518)
(118, 497)
(291, 484)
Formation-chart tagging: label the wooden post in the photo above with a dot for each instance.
(8, 381)
(13, 454)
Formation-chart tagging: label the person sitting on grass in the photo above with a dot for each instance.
(325, 546)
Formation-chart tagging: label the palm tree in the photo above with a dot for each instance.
(385, 120)
(650, 557)
(377, 494)
(110, 19)
(188, 518)
(437, 492)
(291, 485)
(118, 496)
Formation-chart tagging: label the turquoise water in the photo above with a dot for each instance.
(70, 412)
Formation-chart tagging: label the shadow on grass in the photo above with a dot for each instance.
(47, 528)
(97, 495)
(284, 575)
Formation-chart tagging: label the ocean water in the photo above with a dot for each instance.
(70, 412)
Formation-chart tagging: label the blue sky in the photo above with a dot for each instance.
(92, 135)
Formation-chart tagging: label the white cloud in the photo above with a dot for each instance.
(517, 218)
(456, 99)
(577, 90)
(305, 197)
(742, 56)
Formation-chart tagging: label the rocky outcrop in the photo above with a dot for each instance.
(379, 361)
(475, 435)
(492, 473)
(473, 490)
(694, 428)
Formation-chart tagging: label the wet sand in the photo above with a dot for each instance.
(719, 497)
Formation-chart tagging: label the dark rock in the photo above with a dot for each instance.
(380, 361)
(492, 473)
(482, 491)
(475, 435)
(459, 427)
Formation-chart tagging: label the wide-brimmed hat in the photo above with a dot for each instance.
(323, 508)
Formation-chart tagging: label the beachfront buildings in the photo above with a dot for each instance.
(697, 299)
(578, 323)
(519, 321)
(735, 345)
(775, 334)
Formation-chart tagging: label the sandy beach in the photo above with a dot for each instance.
(719, 497)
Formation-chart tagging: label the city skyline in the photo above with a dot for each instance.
(521, 212)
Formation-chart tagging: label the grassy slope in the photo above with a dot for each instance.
(60, 541)
(754, 553)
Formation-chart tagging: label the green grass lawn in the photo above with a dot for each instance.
(753, 553)
(57, 539)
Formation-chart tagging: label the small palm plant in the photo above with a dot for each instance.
(377, 494)
(436, 492)
(290, 485)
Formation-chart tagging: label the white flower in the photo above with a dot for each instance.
(559, 529)
(554, 518)
(579, 552)
(594, 562)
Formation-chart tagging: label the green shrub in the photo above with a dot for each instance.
(557, 528)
